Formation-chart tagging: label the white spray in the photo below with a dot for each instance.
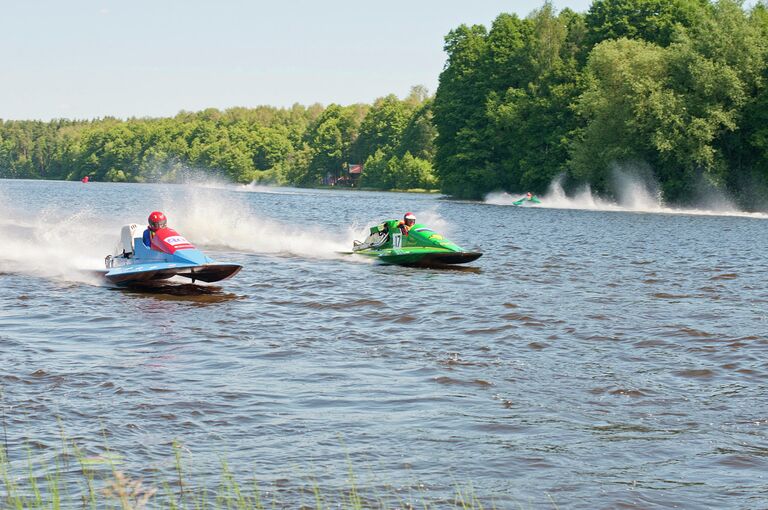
(634, 190)
(53, 244)
(207, 218)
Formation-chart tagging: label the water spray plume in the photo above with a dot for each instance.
(207, 218)
(634, 193)
(53, 245)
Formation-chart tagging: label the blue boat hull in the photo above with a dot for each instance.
(142, 273)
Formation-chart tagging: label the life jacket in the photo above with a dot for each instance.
(147, 238)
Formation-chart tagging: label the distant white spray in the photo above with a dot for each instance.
(634, 189)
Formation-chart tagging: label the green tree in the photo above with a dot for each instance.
(419, 134)
(382, 127)
(459, 113)
(410, 172)
(376, 172)
(330, 139)
(655, 21)
(662, 106)
(502, 108)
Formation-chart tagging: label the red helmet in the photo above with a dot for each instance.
(157, 220)
(409, 218)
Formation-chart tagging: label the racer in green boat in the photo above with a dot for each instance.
(408, 243)
(409, 220)
(529, 197)
(380, 233)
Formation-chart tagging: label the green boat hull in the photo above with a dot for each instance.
(421, 257)
(421, 247)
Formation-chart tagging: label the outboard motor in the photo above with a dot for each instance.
(125, 249)
(127, 236)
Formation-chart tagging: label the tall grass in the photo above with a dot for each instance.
(70, 479)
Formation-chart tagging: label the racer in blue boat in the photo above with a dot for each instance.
(156, 221)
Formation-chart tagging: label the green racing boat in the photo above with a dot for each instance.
(529, 197)
(417, 246)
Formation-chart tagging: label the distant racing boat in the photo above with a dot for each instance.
(529, 197)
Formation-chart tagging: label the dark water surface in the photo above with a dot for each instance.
(587, 360)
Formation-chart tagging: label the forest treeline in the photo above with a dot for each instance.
(302, 146)
(675, 89)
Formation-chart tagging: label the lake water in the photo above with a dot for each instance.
(590, 359)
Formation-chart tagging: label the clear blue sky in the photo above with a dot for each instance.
(92, 58)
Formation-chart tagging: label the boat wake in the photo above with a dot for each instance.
(210, 218)
(632, 195)
(66, 245)
(207, 218)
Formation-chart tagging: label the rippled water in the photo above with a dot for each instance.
(589, 359)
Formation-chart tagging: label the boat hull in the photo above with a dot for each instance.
(421, 258)
(142, 273)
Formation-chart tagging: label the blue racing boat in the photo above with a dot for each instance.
(170, 255)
